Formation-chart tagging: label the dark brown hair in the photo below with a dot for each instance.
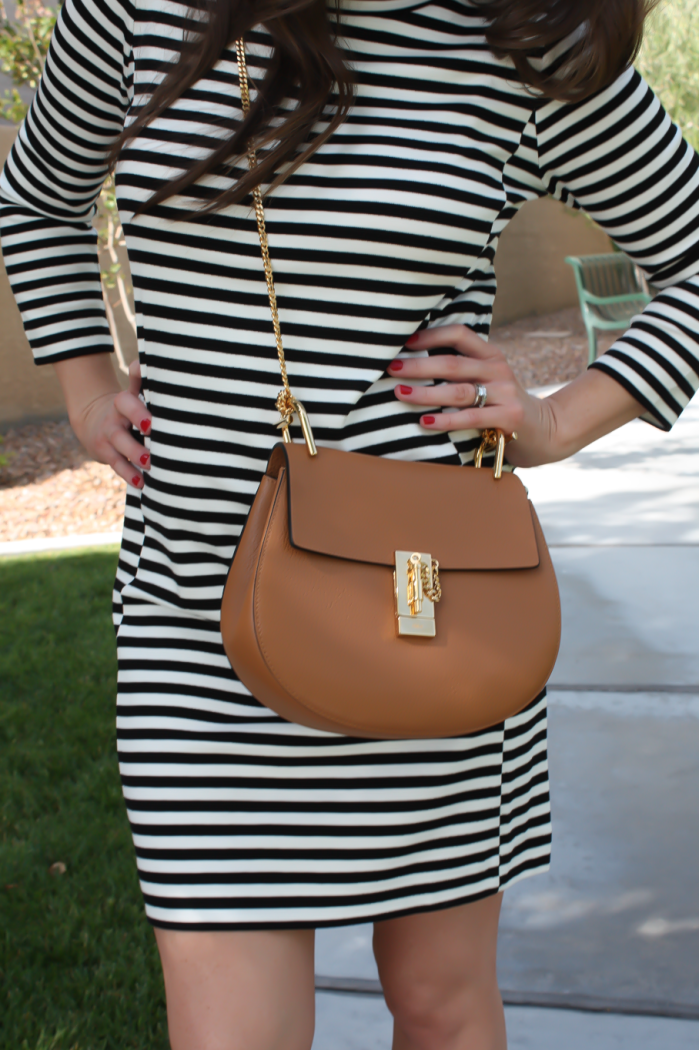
(306, 64)
(605, 36)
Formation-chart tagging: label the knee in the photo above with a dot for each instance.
(432, 1014)
(427, 1016)
(424, 1015)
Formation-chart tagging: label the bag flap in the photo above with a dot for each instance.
(364, 508)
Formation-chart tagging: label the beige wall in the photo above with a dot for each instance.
(532, 275)
(532, 279)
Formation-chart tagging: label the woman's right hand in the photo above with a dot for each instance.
(102, 415)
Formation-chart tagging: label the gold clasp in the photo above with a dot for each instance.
(416, 589)
(493, 440)
(296, 408)
(414, 585)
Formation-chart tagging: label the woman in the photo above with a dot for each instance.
(400, 144)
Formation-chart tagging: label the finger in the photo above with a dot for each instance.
(445, 395)
(124, 469)
(130, 449)
(498, 417)
(452, 367)
(130, 406)
(458, 336)
(456, 395)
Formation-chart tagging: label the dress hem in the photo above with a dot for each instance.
(399, 913)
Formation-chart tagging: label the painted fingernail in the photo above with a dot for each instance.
(145, 425)
(405, 389)
(428, 420)
(144, 458)
(413, 337)
(395, 366)
(136, 480)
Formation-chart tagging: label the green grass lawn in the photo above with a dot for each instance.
(78, 969)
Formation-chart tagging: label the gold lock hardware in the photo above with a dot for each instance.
(493, 441)
(417, 589)
(414, 585)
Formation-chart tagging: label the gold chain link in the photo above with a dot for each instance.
(286, 402)
(434, 593)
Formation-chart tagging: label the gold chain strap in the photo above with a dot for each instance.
(287, 404)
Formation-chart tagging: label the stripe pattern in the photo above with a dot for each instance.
(239, 818)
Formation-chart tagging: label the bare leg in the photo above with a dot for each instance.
(240, 990)
(438, 974)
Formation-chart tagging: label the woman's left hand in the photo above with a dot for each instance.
(508, 406)
(548, 429)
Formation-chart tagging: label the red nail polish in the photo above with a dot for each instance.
(413, 337)
(428, 420)
(144, 458)
(405, 389)
(136, 480)
(145, 425)
(395, 366)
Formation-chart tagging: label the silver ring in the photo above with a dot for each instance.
(481, 396)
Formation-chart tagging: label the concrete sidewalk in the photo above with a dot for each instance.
(358, 1022)
(617, 917)
(622, 519)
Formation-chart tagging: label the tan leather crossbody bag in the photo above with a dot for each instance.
(385, 599)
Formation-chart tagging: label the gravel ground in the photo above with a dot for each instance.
(547, 350)
(50, 487)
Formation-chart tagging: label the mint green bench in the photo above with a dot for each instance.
(611, 289)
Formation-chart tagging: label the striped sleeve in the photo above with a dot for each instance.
(619, 156)
(54, 174)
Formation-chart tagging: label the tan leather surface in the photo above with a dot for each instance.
(313, 637)
(237, 624)
(361, 507)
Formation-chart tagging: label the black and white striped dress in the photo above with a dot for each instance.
(242, 820)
